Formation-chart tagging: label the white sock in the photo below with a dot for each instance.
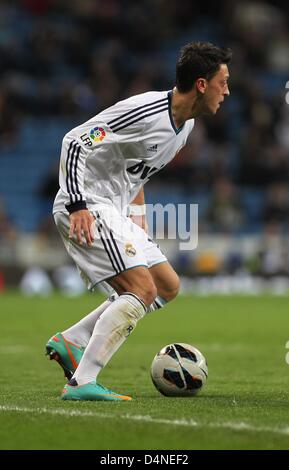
(110, 332)
(81, 332)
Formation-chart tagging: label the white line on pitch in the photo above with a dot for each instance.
(236, 426)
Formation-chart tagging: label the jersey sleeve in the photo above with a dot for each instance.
(78, 146)
(72, 167)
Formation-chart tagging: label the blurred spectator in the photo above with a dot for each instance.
(276, 210)
(65, 61)
(281, 129)
(49, 187)
(8, 119)
(274, 252)
(7, 230)
(225, 213)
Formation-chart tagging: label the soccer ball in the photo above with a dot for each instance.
(179, 370)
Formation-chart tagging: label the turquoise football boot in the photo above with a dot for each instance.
(91, 391)
(67, 354)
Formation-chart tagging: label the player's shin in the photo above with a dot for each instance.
(109, 333)
(81, 332)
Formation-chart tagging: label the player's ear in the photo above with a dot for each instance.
(201, 85)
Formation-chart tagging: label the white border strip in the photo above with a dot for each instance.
(235, 426)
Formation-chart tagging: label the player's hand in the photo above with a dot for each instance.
(141, 221)
(80, 224)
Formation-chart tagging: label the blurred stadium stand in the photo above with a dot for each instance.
(62, 62)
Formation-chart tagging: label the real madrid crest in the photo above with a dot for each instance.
(129, 249)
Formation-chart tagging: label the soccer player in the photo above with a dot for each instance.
(100, 211)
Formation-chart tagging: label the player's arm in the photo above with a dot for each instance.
(139, 200)
(137, 210)
(73, 163)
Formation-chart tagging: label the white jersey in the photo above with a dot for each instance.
(109, 158)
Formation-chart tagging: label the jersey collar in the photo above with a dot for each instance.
(176, 129)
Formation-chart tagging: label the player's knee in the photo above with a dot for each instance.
(138, 282)
(145, 288)
(172, 289)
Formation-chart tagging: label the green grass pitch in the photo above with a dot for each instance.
(244, 405)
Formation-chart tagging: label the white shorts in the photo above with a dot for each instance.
(118, 245)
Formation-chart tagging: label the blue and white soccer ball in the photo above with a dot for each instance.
(179, 370)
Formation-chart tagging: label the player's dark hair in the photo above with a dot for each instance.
(199, 59)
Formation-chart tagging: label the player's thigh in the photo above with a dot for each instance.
(166, 280)
(164, 276)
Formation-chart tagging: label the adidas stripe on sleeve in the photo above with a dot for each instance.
(137, 114)
(73, 158)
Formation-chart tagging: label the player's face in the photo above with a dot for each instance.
(216, 90)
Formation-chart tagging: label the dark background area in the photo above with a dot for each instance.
(62, 62)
